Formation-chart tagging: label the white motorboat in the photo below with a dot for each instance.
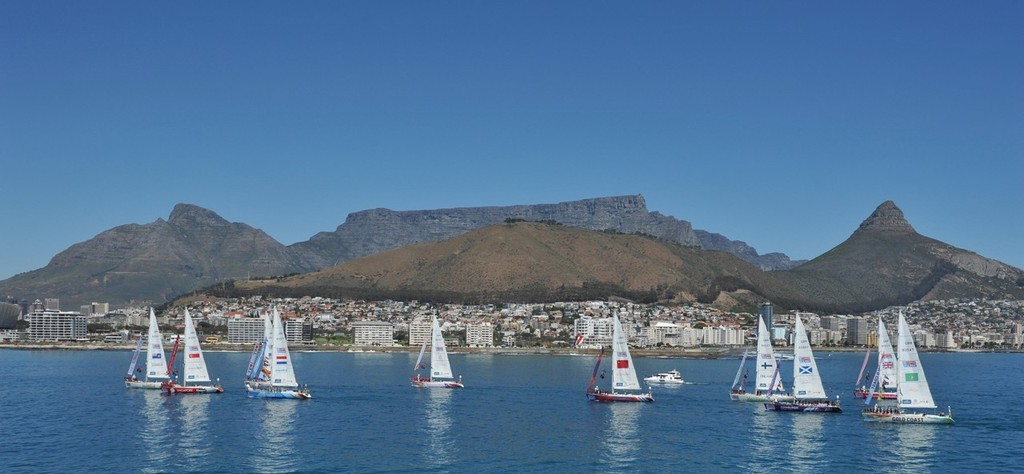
(672, 376)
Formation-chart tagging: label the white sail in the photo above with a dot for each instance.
(282, 374)
(268, 348)
(886, 360)
(156, 364)
(623, 372)
(806, 379)
(913, 386)
(194, 365)
(766, 364)
(439, 365)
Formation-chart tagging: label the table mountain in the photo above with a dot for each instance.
(368, 232)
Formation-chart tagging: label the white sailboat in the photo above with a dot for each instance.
(440, 367)
(912, 389)
(277, 361)
(885, 372)
(767, 381)
(623, 372)
(195, 376)
(156, 364)
(808, 392)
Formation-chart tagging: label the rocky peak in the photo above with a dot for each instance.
(886, 218)
(187, 214)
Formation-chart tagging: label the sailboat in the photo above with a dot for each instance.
(195, 377)
(737, 384)
(911, 387)
(808, 393)
(440, 368)
(280, 379)
(885, 372)
(623, 372)
(156, 365)
(766, 372)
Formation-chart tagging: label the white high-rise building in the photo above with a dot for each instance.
(419, 332)
(595, 332)
(480, 335)
(373, 333)
(49, 325)
(245, 330)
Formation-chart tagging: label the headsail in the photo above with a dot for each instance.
(439, 365)
(913, 386)
(623, 372)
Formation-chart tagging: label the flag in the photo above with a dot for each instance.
(911, 377)
(622, 364)
(910, 363)
(579, 340)
(805, 370)
(193, 356)
(805, 360)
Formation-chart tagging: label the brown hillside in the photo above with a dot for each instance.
(534, 260)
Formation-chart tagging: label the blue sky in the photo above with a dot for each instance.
(782, 124)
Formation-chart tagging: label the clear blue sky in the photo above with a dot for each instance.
(782, 124)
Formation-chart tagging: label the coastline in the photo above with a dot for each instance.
(662, 353)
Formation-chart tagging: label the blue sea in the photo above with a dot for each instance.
(66, 411)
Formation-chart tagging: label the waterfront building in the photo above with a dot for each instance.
(245, 330)
(664, 333)
(373, 333)
(52, 326)
(765, 311)
(419, 332)
(830, 322)
(297, 330)
(596, 332)
(480, 335)
(857, 331)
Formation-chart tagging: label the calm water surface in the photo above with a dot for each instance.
(68, 410)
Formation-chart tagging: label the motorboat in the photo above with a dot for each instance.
(672, 377)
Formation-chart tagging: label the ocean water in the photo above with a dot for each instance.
(68, 411)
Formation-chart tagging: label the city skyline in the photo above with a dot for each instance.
(782, 126)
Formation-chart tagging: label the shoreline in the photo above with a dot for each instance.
(674, 353)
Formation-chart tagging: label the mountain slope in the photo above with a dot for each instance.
(526, 261)
(157, 261)
(886, 262)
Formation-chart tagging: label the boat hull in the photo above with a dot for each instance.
(437, 384)
(173, 388)
(277, 393)
(907, 418)
(759, 397)
(603, 397)
(797, 407)
(142, 384)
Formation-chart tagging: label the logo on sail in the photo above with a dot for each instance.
(910, 363)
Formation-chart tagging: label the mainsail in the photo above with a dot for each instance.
(282, 374)
(913, 386)
(765, 374)
(886, 359)
(623, 372)
(156, 365)
(806, 379)
(439, 365)
(194, 366)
